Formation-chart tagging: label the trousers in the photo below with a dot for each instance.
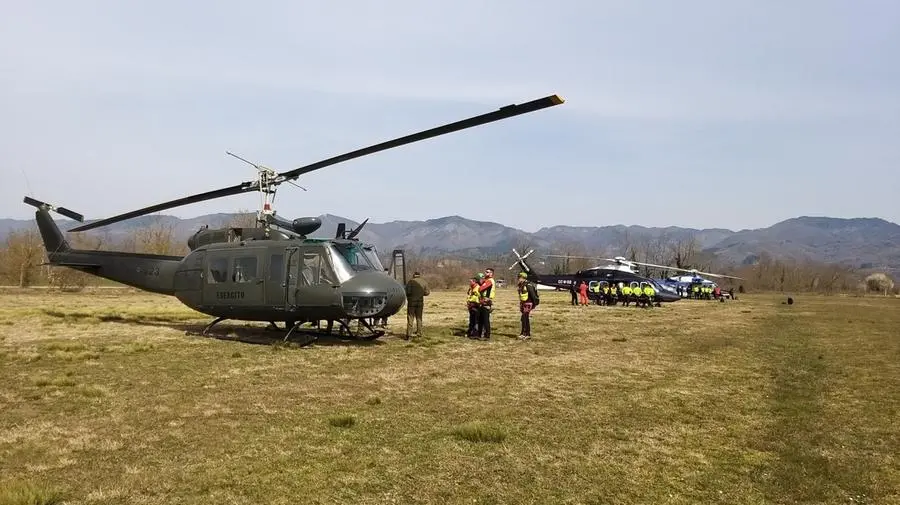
(525, 308)
(484, 321)
(473, 320)
(414, 318)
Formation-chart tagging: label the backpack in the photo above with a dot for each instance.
(535, 296)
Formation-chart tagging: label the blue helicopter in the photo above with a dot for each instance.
(681, 284)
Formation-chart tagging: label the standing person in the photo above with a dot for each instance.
(416, 291)
(574, 291)
(582, 293)
(528, 300)
(486, 292)
(473, 300)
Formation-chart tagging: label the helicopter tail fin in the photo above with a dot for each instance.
(53, 238)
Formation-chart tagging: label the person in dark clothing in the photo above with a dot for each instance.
(416, 291)
(574, 293)
(527, 301)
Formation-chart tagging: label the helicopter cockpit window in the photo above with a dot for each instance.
(355, 256)
(372, 254)
(316, 269)
(218, 270)
(244, 269)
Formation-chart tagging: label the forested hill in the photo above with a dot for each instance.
(865, 243)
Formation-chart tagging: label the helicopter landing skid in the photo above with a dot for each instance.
(309, 338)
(361, 327)
(210, 325)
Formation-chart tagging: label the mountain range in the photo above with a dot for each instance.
(862, 243)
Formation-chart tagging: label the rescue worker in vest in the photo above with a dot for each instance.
(527, 297)
(649, 294)
(472, 302)
(486, 293)
(695, 289)
(626, 295)
(416, 291)
(582, 293)
(596, 291)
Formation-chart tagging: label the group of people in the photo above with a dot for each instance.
(642, 295)
(480, 303)
(702, 292)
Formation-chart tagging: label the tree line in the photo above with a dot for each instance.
(22, 258)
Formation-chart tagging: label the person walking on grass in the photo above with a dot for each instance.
(416, 291)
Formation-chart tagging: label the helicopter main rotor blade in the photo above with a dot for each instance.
(576, 257)
(209, 195)
(502, 113)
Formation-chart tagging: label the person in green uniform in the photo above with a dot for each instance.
(416, 291)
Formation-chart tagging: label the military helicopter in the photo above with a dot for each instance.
(271, 272)
(596, 276)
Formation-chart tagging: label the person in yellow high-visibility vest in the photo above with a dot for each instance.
(473, 298)
(650, 294)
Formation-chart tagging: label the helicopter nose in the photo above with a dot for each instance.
(372, 294)
(666, 297)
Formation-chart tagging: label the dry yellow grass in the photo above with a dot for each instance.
(105, 399)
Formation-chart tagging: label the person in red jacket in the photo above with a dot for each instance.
(582, 293)
(486, 291)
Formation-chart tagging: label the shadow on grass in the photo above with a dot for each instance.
(244, 333)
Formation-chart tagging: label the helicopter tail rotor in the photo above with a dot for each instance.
(520, 261)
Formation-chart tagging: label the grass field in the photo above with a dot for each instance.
(105, 399)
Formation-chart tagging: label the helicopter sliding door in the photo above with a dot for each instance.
(311, 279)
(276, 279)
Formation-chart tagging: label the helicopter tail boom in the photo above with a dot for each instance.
(150, 272)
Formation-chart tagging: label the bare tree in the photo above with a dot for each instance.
(24, 252)
(879, 283)
(243, 219)
(157, 238)
(683, 251)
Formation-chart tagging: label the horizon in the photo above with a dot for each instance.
(59, 218)
(768, 110)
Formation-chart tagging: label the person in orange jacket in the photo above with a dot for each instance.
(582, 293)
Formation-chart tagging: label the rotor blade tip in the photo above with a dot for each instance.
(557, 100)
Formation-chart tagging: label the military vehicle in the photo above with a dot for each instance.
(271, 272)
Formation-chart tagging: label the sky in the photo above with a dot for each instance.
(766, 110)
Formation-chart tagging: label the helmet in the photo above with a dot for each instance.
(479, 275)
(523, 275)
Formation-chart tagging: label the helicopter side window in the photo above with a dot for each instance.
(316, 270)
(218, 270)
(244, 269)
(276, 268)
